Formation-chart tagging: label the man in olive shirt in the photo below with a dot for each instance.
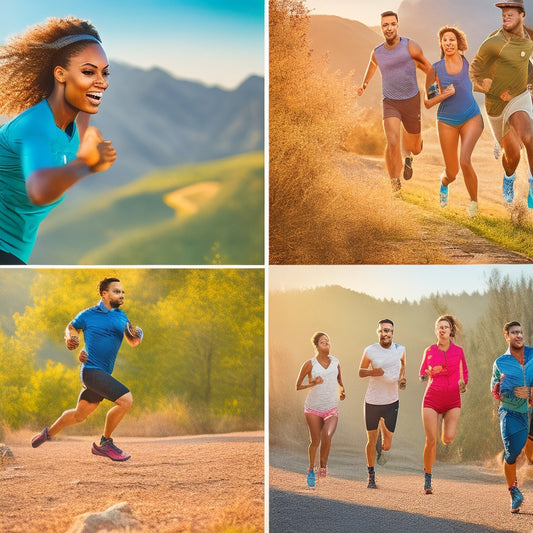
(500, 71)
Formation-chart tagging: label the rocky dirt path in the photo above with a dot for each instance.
(181, 484)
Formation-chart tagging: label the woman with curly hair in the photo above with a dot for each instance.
(444, 368)
(52, 78)
(458, 117)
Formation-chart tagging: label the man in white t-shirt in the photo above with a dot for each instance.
(384, 363)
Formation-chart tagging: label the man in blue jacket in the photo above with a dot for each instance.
(512, 378)
(104, 326)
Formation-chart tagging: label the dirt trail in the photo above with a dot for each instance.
(177, 484)
(455, 243)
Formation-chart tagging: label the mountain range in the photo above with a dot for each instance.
(155, 120)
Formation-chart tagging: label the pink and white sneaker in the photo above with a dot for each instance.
(108, 449)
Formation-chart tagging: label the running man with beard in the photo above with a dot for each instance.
(500, 71)
(384, 363)
(512, 378)
(397, 59)
(104, 326)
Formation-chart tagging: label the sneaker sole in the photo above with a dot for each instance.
(428, 491)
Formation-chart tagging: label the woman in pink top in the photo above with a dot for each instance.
(444, 367)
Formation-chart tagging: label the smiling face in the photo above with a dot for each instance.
(389, 27)
(448, 43)
(84, 79)
(323, 345)
(385, 332)
(515, 337)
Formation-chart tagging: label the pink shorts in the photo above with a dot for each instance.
(322, 414)
(442, 400)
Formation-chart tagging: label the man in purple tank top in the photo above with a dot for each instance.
(397, 59)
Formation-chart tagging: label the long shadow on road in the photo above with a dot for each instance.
(297, 513)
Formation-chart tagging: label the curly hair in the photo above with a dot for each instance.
(462, 45)
(316, 337)
(27, 63)
(455, 325)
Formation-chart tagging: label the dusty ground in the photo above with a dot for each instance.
(176, 484)
(439, 238)
(467, 498)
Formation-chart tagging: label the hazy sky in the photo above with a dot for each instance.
(366, 12)
(213, 41)
(395, 282)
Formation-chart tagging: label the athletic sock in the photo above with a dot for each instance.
(370, 469)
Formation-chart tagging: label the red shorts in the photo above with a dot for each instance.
(442, 400)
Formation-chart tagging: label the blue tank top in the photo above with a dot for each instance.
(27, 143)
(461, 106)
(398, 71)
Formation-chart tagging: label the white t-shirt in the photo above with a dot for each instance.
(324, 396)
(383, 390)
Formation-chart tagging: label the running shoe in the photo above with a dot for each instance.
(516, 499)
(530, 193)
(40, 438)
(396, 185)
(323, 471)
(408, 168)
(443, 196)
(472, 209)
(427, 483)
(311, 477)
(108, 449)
(372, 481)
(508, 188)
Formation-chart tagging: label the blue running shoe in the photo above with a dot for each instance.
(427, 483)
(508, 188)
(530, 193)
(443, 195)
(516, 499)
(311, 478)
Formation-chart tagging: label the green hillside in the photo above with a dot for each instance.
(133, 224)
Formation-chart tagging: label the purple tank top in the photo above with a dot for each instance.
(398, 71)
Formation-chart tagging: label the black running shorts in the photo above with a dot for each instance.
(98, 385)
(388, 412)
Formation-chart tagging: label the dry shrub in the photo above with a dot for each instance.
(318, 214)
(366, 137)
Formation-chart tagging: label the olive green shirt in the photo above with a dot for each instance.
(504, 58)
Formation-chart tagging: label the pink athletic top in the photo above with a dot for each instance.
(448, 377)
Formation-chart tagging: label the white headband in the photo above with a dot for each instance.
(69, 39)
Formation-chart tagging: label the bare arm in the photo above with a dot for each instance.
(339, 381)
(402, 381)
(306, 371)
(418, 57)
(46, 185)
(369, 73)
(366, 369)
(72, 339)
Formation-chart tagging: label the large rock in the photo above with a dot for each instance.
(117, 518)
(6, 455)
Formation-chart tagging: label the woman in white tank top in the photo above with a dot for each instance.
(321, 374)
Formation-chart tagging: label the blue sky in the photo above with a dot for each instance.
(395, 282)
(216, 42)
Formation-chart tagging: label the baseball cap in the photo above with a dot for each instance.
(513, 3)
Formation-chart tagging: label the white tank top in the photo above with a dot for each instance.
(383, 390)
(324, 396)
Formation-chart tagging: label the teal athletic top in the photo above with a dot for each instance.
(29, 142)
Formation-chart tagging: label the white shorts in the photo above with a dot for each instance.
(500, 124)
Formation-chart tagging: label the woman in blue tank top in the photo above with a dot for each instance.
(52, 78)
(458, 117)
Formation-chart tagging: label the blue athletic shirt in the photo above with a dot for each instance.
(461, 106)
(103, 331)
(29, 142)
(514, 376)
